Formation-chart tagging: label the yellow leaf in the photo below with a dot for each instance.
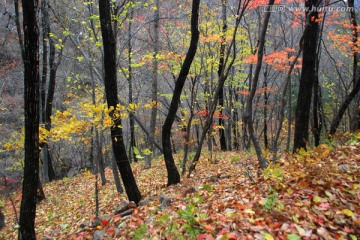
(132, 106)
(348, 212)
(249, 211)
(267, 236)
(317, 199)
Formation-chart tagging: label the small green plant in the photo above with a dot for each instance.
(235, 159)
(272, 202)
(354, 138)
(274, 173)
(140, 232)
(192, 216)
(172, 230)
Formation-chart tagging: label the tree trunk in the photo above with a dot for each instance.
(337, 119)
(355, 125)
(173, 174)
(2, 220)
(307, 79)
(116, 174)
(53, 65)
(31, 99)
(266, 100)
(110, 78)
(132, 154)
(356, 80)
(154, 85)
(248, 118)
(220, 70)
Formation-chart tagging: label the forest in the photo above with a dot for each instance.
(179, 119)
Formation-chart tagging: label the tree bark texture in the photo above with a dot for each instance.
(248, 118)
(31, 99)
(110, 78)
(173, 174)
(307, 79)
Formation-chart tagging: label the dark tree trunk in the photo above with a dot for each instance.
(356, 77)
(266, 100)
(317, 116)
(18, 29)
(116, 174)
(316, 112)
(109, 45)
(45, 39)
(248, 118)
(356, 118)
(337, 119)
(50, 98)
(31, 99)
(132, 154)
(173, 174)
(154, 84)
(220, 70)
(2, 220)
(47, 101)
(307, 79)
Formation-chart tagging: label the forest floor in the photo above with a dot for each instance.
(311, 195)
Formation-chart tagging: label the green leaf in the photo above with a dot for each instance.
(146, 152)
(300, 230)
(207, 187)
(293, 236)
(295, 219)
(136, 151)
(353, 237)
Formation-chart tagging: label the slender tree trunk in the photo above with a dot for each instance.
(116, 174)
(45, 38)
(248, 118)
(18, 29)
(173, 174)
(31, 99)
(154, 85)
(317, 117)
(220, 70)
(356, 78)
(316, 111)
(132, 154)
(110, 78)
(289, 116)
(100, 157)
(266, 100)
(355, 125)
(337, 119)
(307, 79)
(189, 125)
(47, 105)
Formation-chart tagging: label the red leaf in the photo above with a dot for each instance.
(204, 237)
(104, 222)
(320, 220)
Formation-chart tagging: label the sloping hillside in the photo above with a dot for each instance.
(312, 195)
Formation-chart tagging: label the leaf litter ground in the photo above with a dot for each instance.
(311, 195)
